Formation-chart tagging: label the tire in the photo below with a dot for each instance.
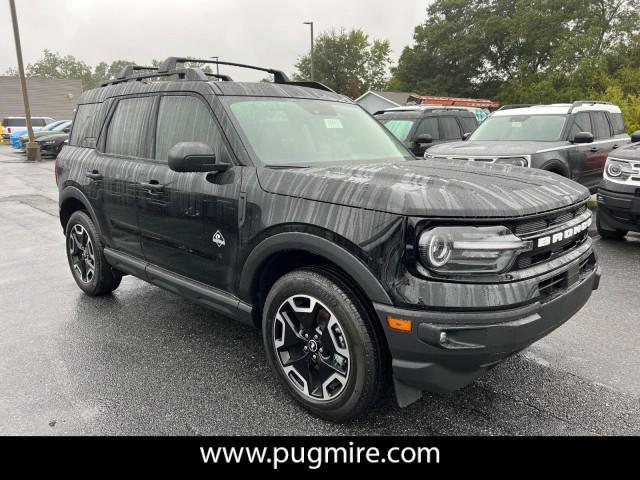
(89, 268)
(346, 339)
(610, 234)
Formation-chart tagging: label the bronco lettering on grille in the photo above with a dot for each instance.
(564, 234)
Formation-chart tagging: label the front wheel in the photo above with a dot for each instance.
(88, 265)
(321, 343)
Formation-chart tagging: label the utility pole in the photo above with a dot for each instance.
(33, 149)
(217, 66)
(311, 25)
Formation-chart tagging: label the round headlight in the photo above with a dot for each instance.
(614, 169)
(438, 250)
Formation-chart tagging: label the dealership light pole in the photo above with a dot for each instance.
(33, 150)
(311, 25)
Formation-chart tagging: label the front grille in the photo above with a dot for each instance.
(547, 225)
(541, 223)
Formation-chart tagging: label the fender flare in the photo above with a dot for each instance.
(316, 245)
(75, 193)
(555, 162)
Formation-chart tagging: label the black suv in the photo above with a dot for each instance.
(286, 206)
(572, 140)
(421, 127)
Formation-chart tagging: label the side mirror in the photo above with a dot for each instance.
(635, 136)
(424, 138)
(66, 130)
(194, 157)
(465, 136)
(583, 137)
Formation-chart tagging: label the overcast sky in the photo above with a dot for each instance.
(263, 32)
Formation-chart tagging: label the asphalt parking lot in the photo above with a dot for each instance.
(145, 361)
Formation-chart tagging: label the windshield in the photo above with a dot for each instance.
(399, 127)
(300, 132)
(539, 128)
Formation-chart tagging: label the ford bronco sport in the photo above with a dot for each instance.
(286, 206)
(619, 193)
(572, 140)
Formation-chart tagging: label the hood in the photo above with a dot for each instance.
(441, 188)
(58, 137)
(630, 152)
(492, 148)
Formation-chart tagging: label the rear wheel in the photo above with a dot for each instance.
(86, 259)
(610, 234)
(320, 342)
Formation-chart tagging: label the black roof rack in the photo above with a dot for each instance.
(169, 68)
(579, 103)
(171, 63)
(128, 70)
(516, 105)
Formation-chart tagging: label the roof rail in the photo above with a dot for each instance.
(579, 103)
(169, 68)
(171, 62)
(516, 105)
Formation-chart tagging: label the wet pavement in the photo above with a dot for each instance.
(145, 361)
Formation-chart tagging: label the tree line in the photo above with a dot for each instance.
(512, 51)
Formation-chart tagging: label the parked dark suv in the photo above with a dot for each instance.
(421, 127)
(572, 140)
(288, 207)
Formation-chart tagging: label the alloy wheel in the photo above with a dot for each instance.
(82, 253)
(311, 347)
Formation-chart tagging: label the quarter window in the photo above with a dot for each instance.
(449, 129)
(83, 123)
(125, 135)
(601, 128)
(184, 118)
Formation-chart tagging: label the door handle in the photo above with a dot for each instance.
(94, 175)
(152, 187)
(615, 146)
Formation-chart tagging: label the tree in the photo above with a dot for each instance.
(347, 62)
(54, 65)
(521, 50)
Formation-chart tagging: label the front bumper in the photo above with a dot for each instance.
(447, 350)
(619, 206)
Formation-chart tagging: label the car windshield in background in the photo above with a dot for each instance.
(539, 128)
(289, 131)
(399, 127)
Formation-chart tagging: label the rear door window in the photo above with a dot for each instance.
(449, 129)
(601, 128)
(618, 123)
(125, 134)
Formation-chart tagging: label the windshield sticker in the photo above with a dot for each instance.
(332, 123)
